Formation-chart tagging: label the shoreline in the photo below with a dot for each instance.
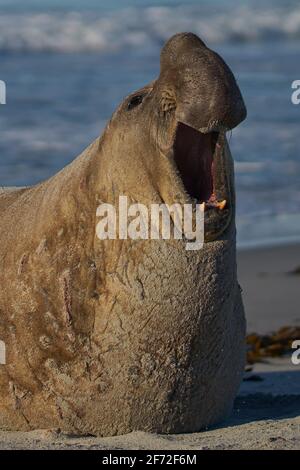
(264, 244)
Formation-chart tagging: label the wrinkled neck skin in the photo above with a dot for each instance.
(91, 323)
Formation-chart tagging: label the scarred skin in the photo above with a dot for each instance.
(106, 337)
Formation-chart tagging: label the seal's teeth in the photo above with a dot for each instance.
(222, 204)
(202, 207)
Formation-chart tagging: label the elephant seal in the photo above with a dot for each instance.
(109, 336)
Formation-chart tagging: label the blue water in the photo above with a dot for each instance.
(67, 64)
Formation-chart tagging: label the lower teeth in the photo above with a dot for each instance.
(213, 204)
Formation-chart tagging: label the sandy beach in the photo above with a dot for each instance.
(266, 414)
(270, 283)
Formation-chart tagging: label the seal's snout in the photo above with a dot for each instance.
(204, 88)
(201, 100)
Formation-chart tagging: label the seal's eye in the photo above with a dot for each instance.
(135, 101)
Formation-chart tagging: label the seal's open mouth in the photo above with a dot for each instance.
(200, 161)
(194, 154)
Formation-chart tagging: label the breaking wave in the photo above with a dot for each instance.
(68, 32)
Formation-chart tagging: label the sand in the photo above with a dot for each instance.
(267, 410)
(270, 291)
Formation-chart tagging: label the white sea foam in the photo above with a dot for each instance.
(138, 27)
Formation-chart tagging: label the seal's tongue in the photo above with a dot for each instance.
(194, 157)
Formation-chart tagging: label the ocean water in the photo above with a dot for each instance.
(67, 64)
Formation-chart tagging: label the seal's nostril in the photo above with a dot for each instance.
(168, 101)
